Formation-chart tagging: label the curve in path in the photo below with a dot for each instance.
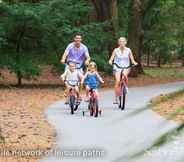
(117, 134)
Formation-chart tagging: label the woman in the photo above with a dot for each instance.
(123, 57)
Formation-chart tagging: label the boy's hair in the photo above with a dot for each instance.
(71, 63)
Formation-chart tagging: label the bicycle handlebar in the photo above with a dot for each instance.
(131, 65)
(68, 81)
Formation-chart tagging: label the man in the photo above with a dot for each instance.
(76, 52)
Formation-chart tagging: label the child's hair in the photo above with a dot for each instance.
(92, 64)
(72, 63)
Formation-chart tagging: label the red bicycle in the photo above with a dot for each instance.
(73, 98)
(93, 105)
(122, 87)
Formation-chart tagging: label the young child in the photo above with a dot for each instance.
(91, 79)
(72, 77)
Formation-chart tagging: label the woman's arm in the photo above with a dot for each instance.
(112, 58)
(132, 59)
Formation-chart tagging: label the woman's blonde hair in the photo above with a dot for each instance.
(122, 38)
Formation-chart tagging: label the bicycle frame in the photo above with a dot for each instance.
(72, 98)
(93, 103)
(122, 89)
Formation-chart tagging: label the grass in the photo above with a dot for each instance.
(176, 112)
(164, 72)
(164, 98)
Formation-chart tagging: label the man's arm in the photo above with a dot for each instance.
(88, 58)
(63, 59)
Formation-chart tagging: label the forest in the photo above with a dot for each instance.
(36, 32)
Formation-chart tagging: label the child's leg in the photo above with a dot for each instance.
(97, 94)
(87, 91)
(67, 91)
(77, 92)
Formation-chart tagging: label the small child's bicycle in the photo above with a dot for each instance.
(122, 90)
(73, 98)
(93, 105)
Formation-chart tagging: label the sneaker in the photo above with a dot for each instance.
(86, 99)
(79, 100)
(67, 101)
(126, 90)
(116, 100)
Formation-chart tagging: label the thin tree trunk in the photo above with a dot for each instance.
(159, 61)
(134, 32)
(148, 57)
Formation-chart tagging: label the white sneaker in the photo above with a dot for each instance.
(86, 99)
(115, 100)
(67, 101)
(126, 90)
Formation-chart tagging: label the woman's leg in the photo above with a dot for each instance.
(116, 86)
(125, 76)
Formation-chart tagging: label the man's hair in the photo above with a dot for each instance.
(77, 34)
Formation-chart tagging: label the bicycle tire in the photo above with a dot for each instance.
(96, 107)
(72, 104)
(123, 99)
(119, 105)
(91, 107)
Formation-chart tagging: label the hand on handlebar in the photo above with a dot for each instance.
(110, 62)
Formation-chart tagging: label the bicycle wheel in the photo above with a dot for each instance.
(72, 104)
(95, 107)
(91, 107)
(119, 102)
(123, 98)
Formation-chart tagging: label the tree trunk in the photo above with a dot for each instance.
(107, 10)
(148, 57)
(134, 33)
(159, 61)
(19, 74)
(114, 16)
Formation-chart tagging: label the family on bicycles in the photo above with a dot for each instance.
(76, 57)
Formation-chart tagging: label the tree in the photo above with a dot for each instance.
(22, 34)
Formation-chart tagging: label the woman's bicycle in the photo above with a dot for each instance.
(72, 97)
(122, 90)
(93, 105)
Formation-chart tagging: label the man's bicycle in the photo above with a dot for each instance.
(122, 87)
(73, 100)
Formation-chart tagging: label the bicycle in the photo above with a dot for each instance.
(73, 101)
(93, 105)
(122, 90)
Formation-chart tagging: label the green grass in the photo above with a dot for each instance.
(164, 72)
(177, 111)
(167, 97)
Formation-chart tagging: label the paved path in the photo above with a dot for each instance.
(116, 134)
